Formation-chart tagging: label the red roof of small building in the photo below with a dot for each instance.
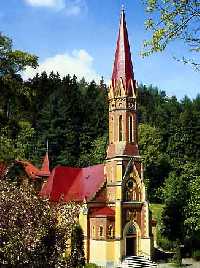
(123, 67)
(104, 212)
(73, 184)
(29, 168)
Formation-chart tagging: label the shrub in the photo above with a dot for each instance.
(91, 265)
(164, 243)
(196, 254)
(77, 247)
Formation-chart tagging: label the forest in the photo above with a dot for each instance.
(72, 115)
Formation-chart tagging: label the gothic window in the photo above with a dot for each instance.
(128, 196)
(130, 187)
(120, 128)
(93, 231)
(100, 231)
(131, 134)
(110, 231)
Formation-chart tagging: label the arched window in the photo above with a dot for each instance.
(93, 231)
(134, 195)
(120, 128)
(110, 231)
(100, 231)
(131, 134)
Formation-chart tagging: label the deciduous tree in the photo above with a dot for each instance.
(171, 20)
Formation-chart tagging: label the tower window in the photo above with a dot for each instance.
(100, 231)
(131, 137)
(120, 128)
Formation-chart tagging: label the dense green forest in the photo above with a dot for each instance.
(73, 116)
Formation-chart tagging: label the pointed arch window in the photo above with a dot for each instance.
(120, 128)
(110, 231)
(93, 231)
(100, 231)
(131, 132)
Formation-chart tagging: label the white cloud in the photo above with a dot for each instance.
(70, 7)
(46, 3)
(79, 62)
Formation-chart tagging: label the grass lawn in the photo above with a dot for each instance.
(156, 210)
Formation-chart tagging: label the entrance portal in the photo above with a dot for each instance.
(130, 246)
(130, 240)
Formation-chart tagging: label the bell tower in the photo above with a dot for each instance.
(122, 100)
(124, 172)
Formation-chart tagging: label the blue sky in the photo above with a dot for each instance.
(79, 36)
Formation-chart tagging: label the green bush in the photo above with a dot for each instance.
(196, 254)
(90, 265)
(164, 243)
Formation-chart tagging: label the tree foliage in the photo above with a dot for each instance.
(192, 209)
(156, 164)
(34, 232)
(25, 221)
(171, 20)
(77, 247)
(13, 61)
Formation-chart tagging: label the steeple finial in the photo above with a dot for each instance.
(47, 146)
(122, 8)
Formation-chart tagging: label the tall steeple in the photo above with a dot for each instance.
(123, 169)
(45, 166)
(44, 171)
(123, 68)
(122, 100)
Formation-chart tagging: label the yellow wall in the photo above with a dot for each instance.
(101, 252)
(145, 247)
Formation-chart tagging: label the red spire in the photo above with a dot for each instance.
(44, 171)
(45, 164)
(122, 65)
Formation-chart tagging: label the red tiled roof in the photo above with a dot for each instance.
(29, 168)
(123, 67)
(73, 184)
(105, 211)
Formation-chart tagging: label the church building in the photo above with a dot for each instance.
(115, 212)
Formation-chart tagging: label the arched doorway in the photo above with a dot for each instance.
(130, 240)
